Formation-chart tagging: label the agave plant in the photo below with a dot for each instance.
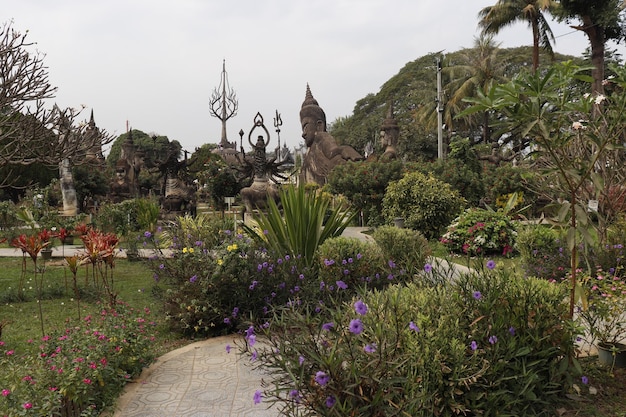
(305, 222)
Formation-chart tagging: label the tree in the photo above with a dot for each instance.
(578, 151)
(600, 20)
(29, 133)
(506, 12)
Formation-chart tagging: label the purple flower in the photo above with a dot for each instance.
(330, 401)
(147, 234)
(491, 264)
(360, 307)
(346, 272)
(350, 260)
(301, 360)
(161, 266)
(428, 267)
(295, 395)
(474, 345)
(493, 339)
(226, 320)
(228, 348)
(287, 257)
(328, 262)
(322, 378)
(328, 326)
(585, 380)
(512, 331)
(251, 340)
(301, 276)
(370, 348)
(356, 326)
(342, 285)
(477, 295)
(391, 264)
(193, 279)
(257, 397)
(254, 356)
(359, 256)
(414, 327)
(344, 262)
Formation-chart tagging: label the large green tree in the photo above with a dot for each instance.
(507, 12)
(601, 21)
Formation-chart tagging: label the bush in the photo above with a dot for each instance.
(364, 183)
(84, 366)
(426, 203)
(542, 253)
(492, 344)
(481, 232)
(407, 248)
(350, 262)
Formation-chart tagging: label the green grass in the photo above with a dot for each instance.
(132, 281)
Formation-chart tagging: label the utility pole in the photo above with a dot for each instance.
(439, 101)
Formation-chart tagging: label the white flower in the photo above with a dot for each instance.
(600, 98)
(577, 126)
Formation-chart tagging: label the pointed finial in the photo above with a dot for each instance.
(309, 100)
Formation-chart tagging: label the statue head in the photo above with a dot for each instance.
(312, 118)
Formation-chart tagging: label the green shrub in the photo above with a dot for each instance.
(492, 344)
(304, 221)
(364, 183)
(426, 203)
(350, 261)
(408, 248)
(543, 254)
(481, 232)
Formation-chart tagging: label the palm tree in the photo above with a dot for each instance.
(600, 20)
(507, 12)
(479, 69)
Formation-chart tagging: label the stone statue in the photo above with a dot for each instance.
(389, 135)
(323, 153)
(120, 188)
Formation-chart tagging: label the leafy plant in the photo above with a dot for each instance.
(407, 248)
(543, 252)
(305, 221)
(481, 232)
(364, 183)
(426, 203)
(488, 344)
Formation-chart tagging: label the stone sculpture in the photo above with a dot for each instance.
(323, 153)
(389, 135)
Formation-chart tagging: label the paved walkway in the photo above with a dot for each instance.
(201, 379)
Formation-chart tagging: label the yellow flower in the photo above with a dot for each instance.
(185, 250)
(190, 250)
(220, 262)
(232, 247)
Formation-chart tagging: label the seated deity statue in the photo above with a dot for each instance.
(323, 152)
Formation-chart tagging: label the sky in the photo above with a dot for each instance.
(153, 64)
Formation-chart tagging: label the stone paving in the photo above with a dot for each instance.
(200, 379)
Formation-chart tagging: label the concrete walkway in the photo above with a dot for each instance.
(201, 379)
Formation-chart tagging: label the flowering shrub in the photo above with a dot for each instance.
(85, 365)
(481, 232)
(604, 315)
(543, 254)
(488, 344)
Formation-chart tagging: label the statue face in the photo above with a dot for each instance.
(310, 126)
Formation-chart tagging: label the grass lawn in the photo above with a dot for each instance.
(133, 281)
(20, 319)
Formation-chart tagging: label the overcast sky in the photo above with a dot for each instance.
(154, 64)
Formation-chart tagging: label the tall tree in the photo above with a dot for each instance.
(600, 20)
(29, 133)
(507, 12)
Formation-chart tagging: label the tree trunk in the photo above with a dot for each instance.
(595, 33)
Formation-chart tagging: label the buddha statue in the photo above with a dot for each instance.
(323, 153)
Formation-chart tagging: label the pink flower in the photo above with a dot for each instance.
(27, 406)
(10, 352)
(87, 381)
(5, 392)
